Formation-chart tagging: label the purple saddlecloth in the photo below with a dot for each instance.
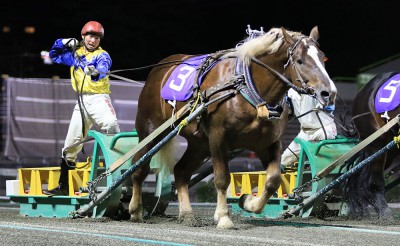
(388, 96)
(180, 84)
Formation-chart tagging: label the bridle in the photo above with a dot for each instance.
(295, 68)
(305, 89)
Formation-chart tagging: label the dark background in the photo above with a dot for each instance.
(353, 34)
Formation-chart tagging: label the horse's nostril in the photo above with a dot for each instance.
(325, 96)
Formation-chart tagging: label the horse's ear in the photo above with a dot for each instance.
(314, 33)
(287, 36)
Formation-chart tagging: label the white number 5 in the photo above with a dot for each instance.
(392, 90)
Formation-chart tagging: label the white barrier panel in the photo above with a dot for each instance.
(12, 187)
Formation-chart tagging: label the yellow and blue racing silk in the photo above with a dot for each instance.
(99, 58)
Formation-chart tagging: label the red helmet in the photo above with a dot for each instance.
(93, 27)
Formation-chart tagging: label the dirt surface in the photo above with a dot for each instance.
(166, 230)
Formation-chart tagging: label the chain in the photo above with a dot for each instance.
(91, 185)
(300, 189)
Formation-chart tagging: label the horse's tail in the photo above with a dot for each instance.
(356, 190)
(165, 159)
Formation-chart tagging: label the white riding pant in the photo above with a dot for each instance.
(98, 110)
(291, 154)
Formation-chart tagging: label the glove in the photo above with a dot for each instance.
(91, 70)
(329, 108)
(70, 42)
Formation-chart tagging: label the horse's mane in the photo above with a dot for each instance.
(267, 43)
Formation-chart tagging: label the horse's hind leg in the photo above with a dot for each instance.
(136, 205)
(183, 170)
(256, 204)
(376, 187)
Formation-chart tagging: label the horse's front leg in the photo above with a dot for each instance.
(256, 204)
(136, 205)
(221, 182)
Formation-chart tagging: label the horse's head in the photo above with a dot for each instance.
(306, 68)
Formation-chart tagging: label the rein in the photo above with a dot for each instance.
(82, 108)
(316, 110)
(112, 73)
(305, 90)
(148, 66)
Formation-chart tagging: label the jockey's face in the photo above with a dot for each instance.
(91, 41)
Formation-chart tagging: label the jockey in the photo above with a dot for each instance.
(310, 126)
(89, 65)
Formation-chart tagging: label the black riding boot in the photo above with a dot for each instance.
(62, 188)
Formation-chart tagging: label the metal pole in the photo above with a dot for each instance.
(199, 177)
(144, 159)
(335, 182)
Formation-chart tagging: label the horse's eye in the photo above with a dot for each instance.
(299, 61)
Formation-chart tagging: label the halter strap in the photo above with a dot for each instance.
(290, 60)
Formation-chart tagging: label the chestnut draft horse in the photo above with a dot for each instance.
(365, 191)
(269, 64)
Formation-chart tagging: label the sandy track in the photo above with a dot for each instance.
(20, 230)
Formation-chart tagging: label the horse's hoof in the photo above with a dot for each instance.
(250, 204)
(135, 218)
(387, 214)
(225, 223)
(242, 199)
(188, 220)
